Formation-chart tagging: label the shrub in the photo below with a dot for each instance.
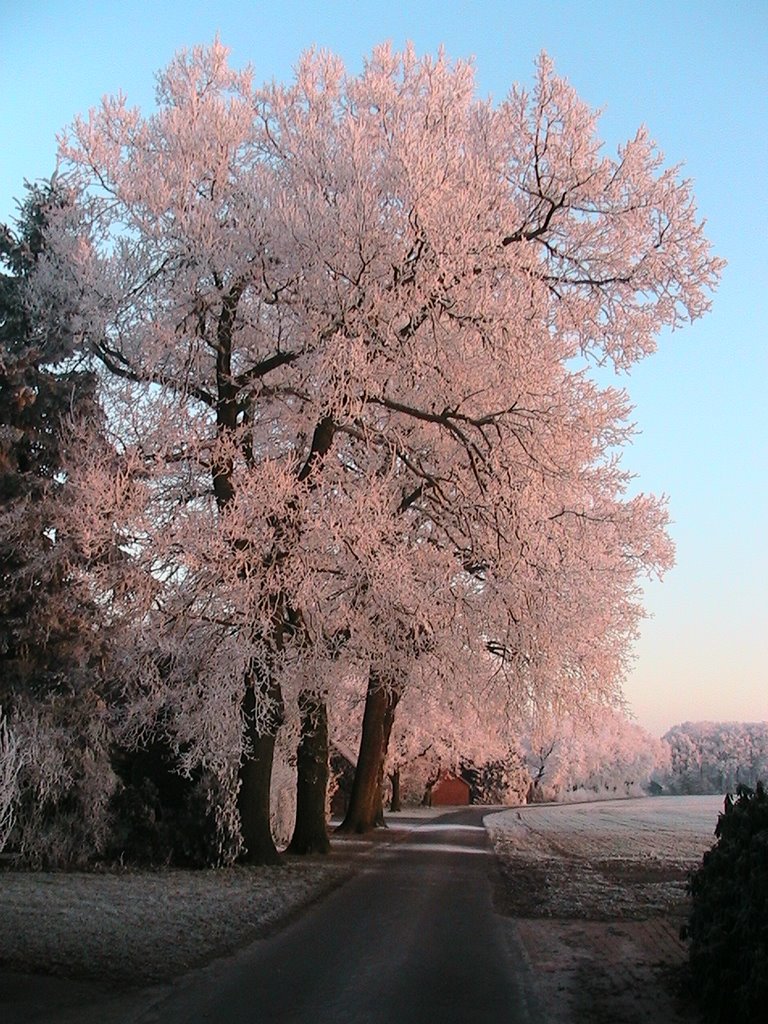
(64, 783)
(728, 928)
(160, 817)
(10, 766)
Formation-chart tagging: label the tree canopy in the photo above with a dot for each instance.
(342, 326)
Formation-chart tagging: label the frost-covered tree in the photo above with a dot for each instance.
(619, 758)
(715, 757)
(344, 313)
(446, 725)
(42, 385)
(50, 650)
(10, 766)
(596, 753)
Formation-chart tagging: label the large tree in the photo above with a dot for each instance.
(588, 754)
(346, 313)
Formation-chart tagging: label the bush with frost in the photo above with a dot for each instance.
(728, 927)
(10, 766)
(65, 782)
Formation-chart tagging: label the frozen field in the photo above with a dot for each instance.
(598, 893)
(672, 829)
(622, 858)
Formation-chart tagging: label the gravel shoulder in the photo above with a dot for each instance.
(598, 894)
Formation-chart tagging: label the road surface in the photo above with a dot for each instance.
(411, 938)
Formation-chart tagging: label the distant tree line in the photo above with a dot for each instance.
(715, 757)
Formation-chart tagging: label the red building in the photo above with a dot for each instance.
(450, 791)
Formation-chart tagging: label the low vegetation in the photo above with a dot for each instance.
(727, 930)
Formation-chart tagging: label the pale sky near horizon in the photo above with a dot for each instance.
(696, 74)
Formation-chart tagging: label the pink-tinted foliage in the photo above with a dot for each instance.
(341, 318)
(595, 753)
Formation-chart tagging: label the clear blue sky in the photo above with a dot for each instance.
(695, 73)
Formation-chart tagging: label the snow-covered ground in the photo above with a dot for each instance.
(143, 926)
(598, 894)
(593, 888)
(674, 829)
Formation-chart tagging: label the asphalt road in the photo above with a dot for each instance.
(412, 938)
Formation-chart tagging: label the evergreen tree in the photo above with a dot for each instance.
(49, 647)
(42, 383)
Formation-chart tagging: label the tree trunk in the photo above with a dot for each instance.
(394, 803)
(366, 804)
(310, 834)
(256, 777)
